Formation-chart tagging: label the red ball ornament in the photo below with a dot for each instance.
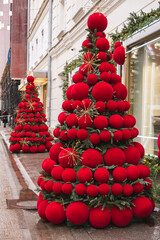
(68, 157)
(48, 186)
(48, 165)
(56, 173)
(97, 21)
(86, 43)
(26, 127)
(67, 105)
(133, 173)
(33, 149)
(92, 78)
(140, 148)
(55, 151)
(55, 213)
(114, 156)
(117, 44)
(42, 185)
(120, 91)
(62, 117)
(158, 141)
(126, 134)
(76, 105)
(80, 91)
(94, 138)
(86, 103)
(35, 128)
(119, 55)
(67, 188)
(116, 189)
(134, 133)
(119, 174)
(120, 106)
(100, 106)
(48, 145)
(57, 188)
(129, 121)
(91, 158)
(77, 213)
(132, 155)
(69, 175)
(85, 69)
(41, 148)
(68, 92)
(100, 34)
(42, 208)
(88, 57)
(101, 56)
(25, 148)
(127, 190)
(143, 207)
(111, 105)
(149, 185)
(102, 91)
(77, 78)
(138, 187)
(115, 78)
(82, 134)
(102, 44)
(84, 175)
(104, 189)
(72, 133)
(104, 67)
(105, 76)
(100, 122)
(30, 79)
(80, 189)
(121, 218)
(105, 136)
(144, 171)
(72, 120)
(99, 218)
(116, 121)
(127, 107)
(101, 175)
(92, 190)
(85, 121)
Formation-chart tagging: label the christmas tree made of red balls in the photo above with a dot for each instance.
(30, 132)
(96, 173)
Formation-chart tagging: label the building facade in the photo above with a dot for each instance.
(56, 32)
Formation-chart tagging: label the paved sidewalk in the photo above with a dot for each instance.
(18, 176)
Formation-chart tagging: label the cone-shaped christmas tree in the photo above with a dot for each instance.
(30, 132)
(96, 172)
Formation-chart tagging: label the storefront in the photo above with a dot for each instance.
(142, 78)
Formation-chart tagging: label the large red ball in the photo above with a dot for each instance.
(127, 190)
(132, 155)
(119, 174)
(133, 173)
(102, 44)
(84, 175)
(99, 218)
(94, 138)
(69, 175)
(144, 171)
(56, 173)
(116, 189)
(105, 136)
(80, 189)
(55, 213)
(97, 21)
(85, 121)
(119, 55)
(92, 78)
(100, 122)
(100, 106)
(140, 148)
(102, 91)
(116, 121)
(77, 78)
(55, 151)
(120, 91)
(82, 134)
(92, 190)
(68, 157)
(72, 120)
(80, 91)
(68, 92)
(143, 207)
(114, 156)
(42, 208)
(77, 213)
(101, 175)
(86, 43)
(91, 158)
(121, 218)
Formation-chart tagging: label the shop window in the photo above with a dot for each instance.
(143, 82)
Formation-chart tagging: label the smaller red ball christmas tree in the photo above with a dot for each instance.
(31, 132)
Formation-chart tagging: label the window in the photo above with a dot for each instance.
(144, 90)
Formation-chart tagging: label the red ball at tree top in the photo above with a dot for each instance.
(97, 21)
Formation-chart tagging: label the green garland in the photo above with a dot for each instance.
(135, 23)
